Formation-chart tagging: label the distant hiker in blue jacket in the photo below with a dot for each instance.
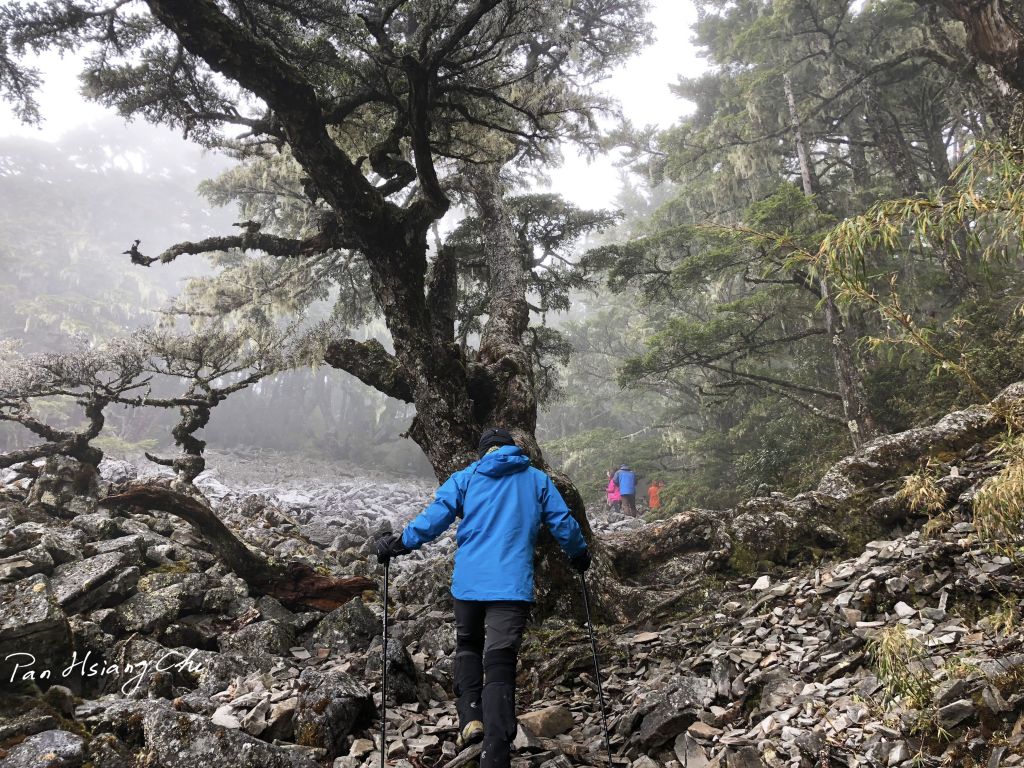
(502, 502)
(625, 478)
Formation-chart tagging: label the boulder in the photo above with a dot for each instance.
(151, 611)
(33, 625)
(120, 717)
(352, 627)
(547, 722)
(49, 749)
(673, 711)
(65, 485)
(26, 563)
(96, 582)
(261, 638)
(24, 718)
(180, 740)
(401, 670)
(107, 751)
(331, 704)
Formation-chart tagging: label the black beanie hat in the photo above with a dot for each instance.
(494, 436)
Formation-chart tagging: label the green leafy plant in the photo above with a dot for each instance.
(999, 505)
(900, 660)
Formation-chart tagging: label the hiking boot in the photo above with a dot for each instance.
(473, 733)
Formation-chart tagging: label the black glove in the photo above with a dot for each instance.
(581, 561)
(389, 546)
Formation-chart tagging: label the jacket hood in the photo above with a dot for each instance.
(504, 461)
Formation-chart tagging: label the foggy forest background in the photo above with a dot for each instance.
(840, 173)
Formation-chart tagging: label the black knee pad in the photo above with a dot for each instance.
(500, 665)
(470, 641)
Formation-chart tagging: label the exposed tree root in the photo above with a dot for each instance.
(294, 583)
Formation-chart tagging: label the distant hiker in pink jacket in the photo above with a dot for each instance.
(614, 497)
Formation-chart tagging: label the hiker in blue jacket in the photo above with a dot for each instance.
(625, 478)
(502, 502)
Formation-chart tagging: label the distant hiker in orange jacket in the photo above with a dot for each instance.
(654, 494)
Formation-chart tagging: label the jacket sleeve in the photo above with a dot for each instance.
(435, 519)
(560, 521)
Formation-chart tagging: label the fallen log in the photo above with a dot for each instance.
(292, 583)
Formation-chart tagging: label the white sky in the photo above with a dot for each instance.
(641, 86)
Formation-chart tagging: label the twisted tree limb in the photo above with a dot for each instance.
(293, 583)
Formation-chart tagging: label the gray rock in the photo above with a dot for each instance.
(675, 710)
(953, 714)
(66, 485)
(98, 526)
(49, 749)
(689, 753)
(745, 757)
(93, 583)
(259, 639)
(107, 751)
(401, 669)
(17, 538)
(135, 544)
(26, 563)
(330, 706)
(180, 740)
(17, 722)
(31, 622)
(118, 716)
(352, 627)
(151, 611)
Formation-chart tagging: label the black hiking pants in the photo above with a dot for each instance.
(487, 639)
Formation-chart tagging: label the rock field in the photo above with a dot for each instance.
(907, 652)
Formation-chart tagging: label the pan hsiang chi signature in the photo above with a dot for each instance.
(24, 668)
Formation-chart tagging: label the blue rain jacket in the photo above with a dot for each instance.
(502, 501)
(626, 480)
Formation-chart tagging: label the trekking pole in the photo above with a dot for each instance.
(384, 674)
(597, 669)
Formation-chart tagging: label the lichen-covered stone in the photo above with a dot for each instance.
(180, 740)
(31, 622)
(49, 749)
(96, 582)
(330, 706)
(401, 670)
(152, 611)
(261, 638)
(26, 563)
(107, 751)
(352, 627)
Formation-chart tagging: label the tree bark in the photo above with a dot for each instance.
(803, 156)
(851, 385)
(993, 34)
(61, 442)
(294, 584)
